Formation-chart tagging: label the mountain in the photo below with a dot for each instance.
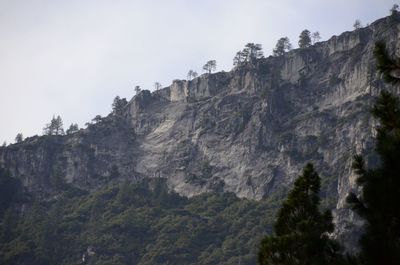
(248, 131)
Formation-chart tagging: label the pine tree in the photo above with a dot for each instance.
(305, 39)
(301, 230)
(249, 54)
(239, 58)
(97, 119)
(315, 36)
(55, 127)
(378, 203)
(137, 90)
(389, 68)
(394, 9)
(210, 66)
(58, 126)
(357, 24)
(119, 104)
(283, 45)
(73, 128)
(157, 86)
(19, 138)
(191, 74)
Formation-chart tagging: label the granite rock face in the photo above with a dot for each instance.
(249, 131)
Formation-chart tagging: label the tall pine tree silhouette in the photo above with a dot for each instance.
(379, 201)
(301, 229)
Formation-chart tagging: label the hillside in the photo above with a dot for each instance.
(248, 131)
(135, 224)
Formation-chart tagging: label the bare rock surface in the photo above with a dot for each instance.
(249, 131)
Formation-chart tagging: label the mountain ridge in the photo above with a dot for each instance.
(247, 131)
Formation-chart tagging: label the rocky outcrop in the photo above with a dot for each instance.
(249, 131)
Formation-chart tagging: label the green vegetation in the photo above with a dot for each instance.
(55, 127)
(210, 66)
(305, 39)
(378, 202)
(282, 46)
(357, 24)
(119, 104)
(301, 230)
(144, 223)
(394, 9)
(191, 74)
(137, 90)
(10, 191)
(249, 54)
(389, 68)
(73, 128)
(135, 224)
(19, 138)
(315, 36)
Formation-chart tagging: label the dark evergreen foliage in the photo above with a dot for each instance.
(210, 66)
(301, 230)
(137, 90)
(305, 39)
(10, 190)
(283, 45)
(249, 54)
(315, 36)
(381, 188)
(97, 119)
(118, 105)
(19, 138)
(191, 74)
(357, 24)
(394, 10)
(55, 127)
(140, 223)
(380, 194)
(73, 128)
(389, 68)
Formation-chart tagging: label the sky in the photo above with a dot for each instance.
(72, 57)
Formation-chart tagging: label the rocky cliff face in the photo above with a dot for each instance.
(250, 130)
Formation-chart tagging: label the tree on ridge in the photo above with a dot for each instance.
(305, 39)
(55, 127)
(250, 53)
(210, 66)
(283, 45)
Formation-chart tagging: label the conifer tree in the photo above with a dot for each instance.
(55, 127)
(137, 90)
(97, 119)
(249, 54)
(157, 86)
(394, 9)
(191, 74)
(315, 36)
(210, 66)
(357, 24)
(73, 128)
(388, 67)
(283, 45)
(301, 230)
(378, 203)
(305, 39)
(19, 138)
(119, 104)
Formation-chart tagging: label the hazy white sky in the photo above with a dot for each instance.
(71, 58)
